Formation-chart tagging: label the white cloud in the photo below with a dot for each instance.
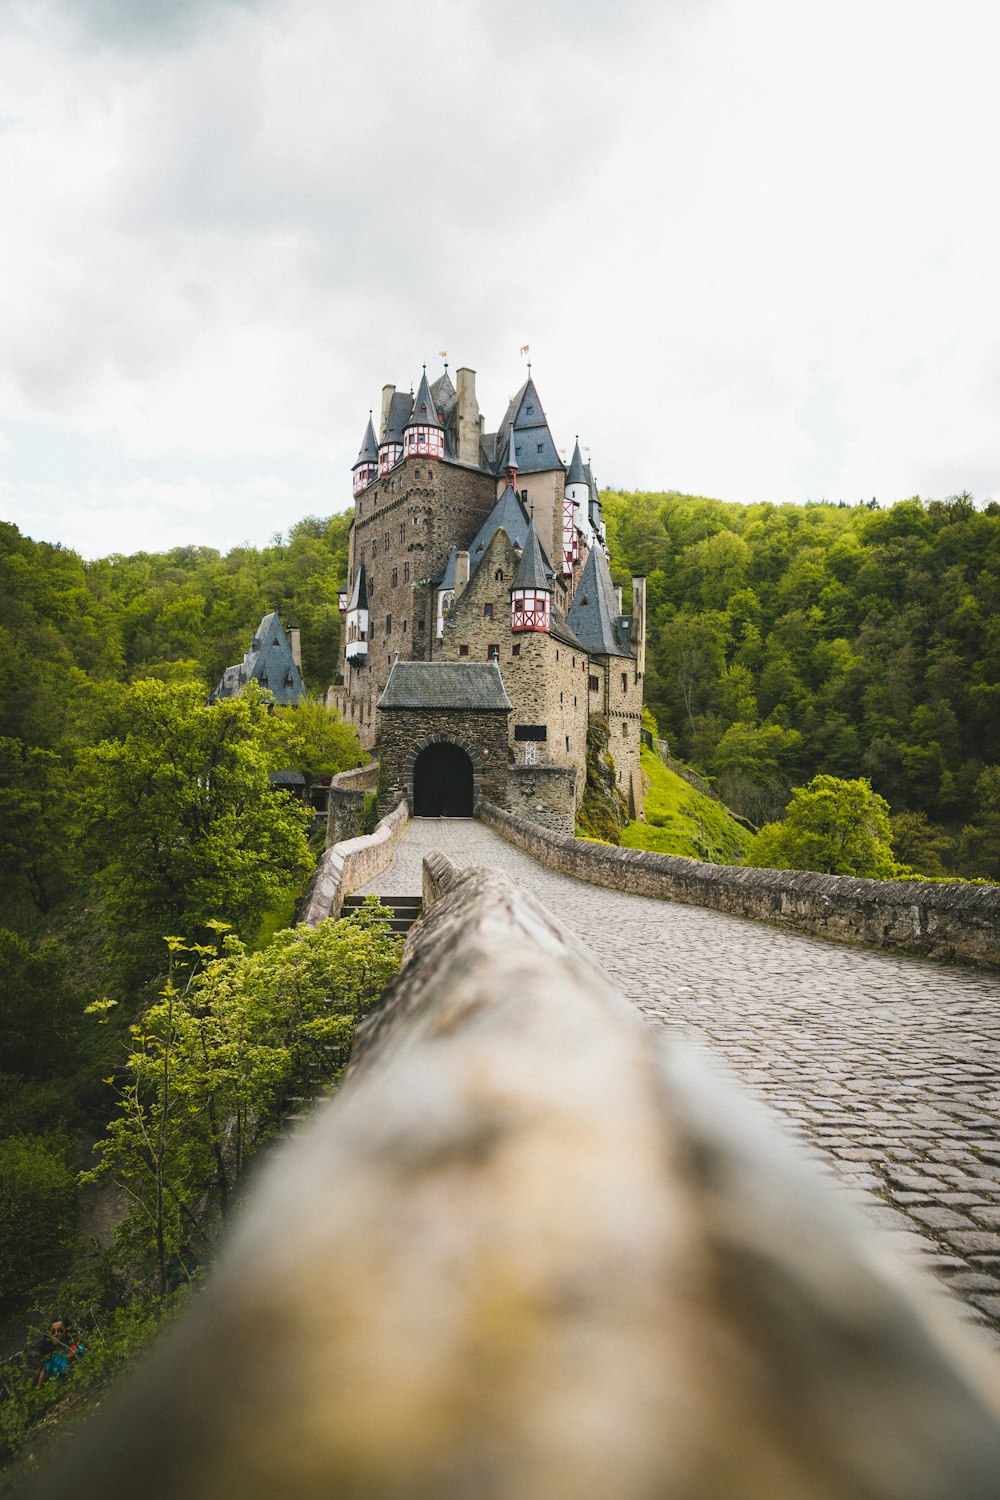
(752, 246)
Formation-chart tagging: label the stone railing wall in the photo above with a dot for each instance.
(346, 803)
(953, 922)
(531, 1252)
(350, 864)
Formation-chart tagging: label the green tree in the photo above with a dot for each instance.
(37, 1211)
(180, 811)
(980, 847)
(754, 764)
(920, 844)
(312, 739)
(36, 857)
(40, 1013)
(214, 1060)
(834, 826)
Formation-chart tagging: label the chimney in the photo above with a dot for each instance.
(469, 423)
(618, 596)
(295, 641)
(388, 391)
(638, 632)
(461, 572)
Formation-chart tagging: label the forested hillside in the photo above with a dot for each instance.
(791, 640)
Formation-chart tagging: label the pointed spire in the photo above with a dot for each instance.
(359, 598)
(593, 614)
(510, 459)
(424, 411)
(577, 473)
(531, 571)
(369, 446)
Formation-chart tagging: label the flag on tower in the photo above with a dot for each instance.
(524, 348)
(443, 354)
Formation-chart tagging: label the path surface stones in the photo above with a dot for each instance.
(886, 1067)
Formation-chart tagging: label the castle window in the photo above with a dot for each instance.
(406, 572)
(403, 627)
(515, 650)
(492, 652)
(385, 541)
(416, 475)
(625, 731)
(402, 531)
(624, 682)
(530, 411)
(557, 653)
(463, 650)
(388, 624)
(574, 664)
(594, 684)
(498, 575)
(567, 744)
(574, 700)
(375, 548)
(263, 679)
(395, 577)
(540, 448)
(488, 610)
(560, 697)
(420, 626)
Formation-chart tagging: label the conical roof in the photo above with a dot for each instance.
(510, 455)
(424, 411)
(534, 448)
(593, 615)
(577, 473)
(531, 572)
(359, 598)
(369, 447)
(450, 570)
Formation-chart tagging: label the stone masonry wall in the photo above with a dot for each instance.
(349, 864)
(953, 922)
(346, 805)
(546, 795)
(402, 732)
(546, 680)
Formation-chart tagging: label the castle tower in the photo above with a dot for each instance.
(576, 511)
(423, 434)
(531, 596)
(366, 467)
(356, 622)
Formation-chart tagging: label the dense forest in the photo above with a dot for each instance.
(790, 641)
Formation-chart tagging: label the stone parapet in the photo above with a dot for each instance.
(949, 921)
(346, 866)
(346, 805)
(533, 1251)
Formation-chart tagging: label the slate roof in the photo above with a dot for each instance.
(450, 568)
(359, 598)
(399, 413)
(593, 615)
(510, 452)
(560, 631)
(270, 658)
(446, 684)
(424, 411)
(577, 473)
(445, 397)
(531, 572)
(509, 513)
(369, 447)
(533, 446)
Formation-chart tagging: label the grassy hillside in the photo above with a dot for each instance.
(681, 820)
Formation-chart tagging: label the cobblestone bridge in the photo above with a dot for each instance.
(888, 1068)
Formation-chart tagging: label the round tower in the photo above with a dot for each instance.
(366, 467)
(576, 511)
(424, 431)
(531, 595)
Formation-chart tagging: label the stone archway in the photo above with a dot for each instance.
(443, 782)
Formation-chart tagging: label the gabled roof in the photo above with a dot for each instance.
(445, 684)
(593, 615)
(577, 473)
(424, 411)
(531, 573)
(508, 513)
(269, 662)
(359, 596)
(533, 446)
(369, 447)
(399, 412)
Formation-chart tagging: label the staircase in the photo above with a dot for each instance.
(405, 910)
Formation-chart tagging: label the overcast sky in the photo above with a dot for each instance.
(754, 246)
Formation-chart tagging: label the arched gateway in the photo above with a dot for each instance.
(442, 782)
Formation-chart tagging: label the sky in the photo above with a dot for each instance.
(753, 247)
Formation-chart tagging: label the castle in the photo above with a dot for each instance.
(481, 625)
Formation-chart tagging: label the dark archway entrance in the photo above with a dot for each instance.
(442, 782)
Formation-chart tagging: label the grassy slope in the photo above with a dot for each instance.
(681, 820)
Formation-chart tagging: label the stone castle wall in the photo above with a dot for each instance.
(949, 921)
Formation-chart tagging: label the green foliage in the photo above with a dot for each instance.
(981, 839)
(213, 1061)
(40, 1013)
(312, 739)
(37, 1210)
(182, 815)
(369, 816)
(603, 813)
(834, 826)
(36, 859)
(873, 635)
(921, 846)
(681, 820)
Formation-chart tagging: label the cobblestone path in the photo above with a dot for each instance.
(887, 1067)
